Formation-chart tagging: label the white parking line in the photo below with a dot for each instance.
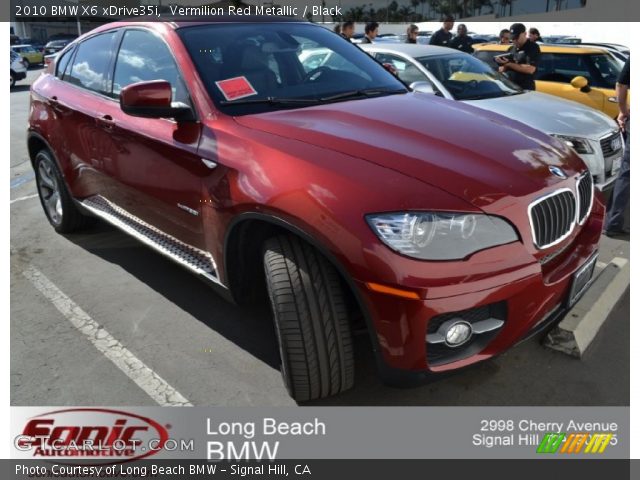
(19, 199)
(154, 385)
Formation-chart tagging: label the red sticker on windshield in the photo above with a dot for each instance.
(235, 88)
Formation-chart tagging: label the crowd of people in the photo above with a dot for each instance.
(520, 64)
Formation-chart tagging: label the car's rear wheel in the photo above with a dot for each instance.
(311, 320)
(13, 80)
(61, 211)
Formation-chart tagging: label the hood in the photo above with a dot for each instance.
(551, 114)
(466, 151)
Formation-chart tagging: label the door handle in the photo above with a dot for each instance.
(106, 121)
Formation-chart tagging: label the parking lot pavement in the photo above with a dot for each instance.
(214, 353)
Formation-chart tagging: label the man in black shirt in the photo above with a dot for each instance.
(521, 63)
(370, 32)
(462, 41)
(443, 36)
(614, 226)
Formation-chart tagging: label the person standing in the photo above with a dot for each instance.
(412, 34)
(370, 32)
(443, 36)
(462, 41)
(347, 29)
(504, 37)
(534, 35)
(614, 225)
(522, 61)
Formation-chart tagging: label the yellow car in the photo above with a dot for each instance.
(584, 75)
(30, 54)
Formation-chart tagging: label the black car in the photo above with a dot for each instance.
(55, 46)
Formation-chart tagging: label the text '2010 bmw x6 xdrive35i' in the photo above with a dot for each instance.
(450, 232)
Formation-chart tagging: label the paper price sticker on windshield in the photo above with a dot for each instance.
(235, 88)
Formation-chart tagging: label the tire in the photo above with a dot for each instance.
(310, 316)
(13, 80)
(57, 203)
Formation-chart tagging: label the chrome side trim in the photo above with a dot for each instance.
(542, 199)
(195, 260)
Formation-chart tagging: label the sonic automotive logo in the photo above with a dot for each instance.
(575, 443)
(92, 432)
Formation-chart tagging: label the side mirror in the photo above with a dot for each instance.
(153, 100)
(422, 87)
(581, 83)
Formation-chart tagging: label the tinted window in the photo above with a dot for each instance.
(144, 57)
(90, 64)
(62, 62)
(600, 70)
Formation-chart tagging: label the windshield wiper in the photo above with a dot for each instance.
(271, 101)
(367, 93)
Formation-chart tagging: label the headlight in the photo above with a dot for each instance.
(580, 145)
(440, 236)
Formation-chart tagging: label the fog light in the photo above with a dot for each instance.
(458, 333)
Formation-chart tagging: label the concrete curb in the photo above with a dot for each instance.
(576, 331)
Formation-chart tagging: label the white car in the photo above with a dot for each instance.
(459, 76)
(18, 69)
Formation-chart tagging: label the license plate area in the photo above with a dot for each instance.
(581, 280)
(616, 164)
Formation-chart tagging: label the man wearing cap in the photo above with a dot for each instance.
(521, 63)
(443, 36)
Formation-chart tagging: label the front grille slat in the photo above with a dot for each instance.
(585, 196)
(553, 217)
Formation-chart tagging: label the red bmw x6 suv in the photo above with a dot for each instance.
(280, 155)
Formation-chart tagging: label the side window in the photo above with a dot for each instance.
(63, 61)
(561, 67)
(407, 71)
(143, 57)
(89, 68)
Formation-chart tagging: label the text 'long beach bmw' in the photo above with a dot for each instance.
(349, 199)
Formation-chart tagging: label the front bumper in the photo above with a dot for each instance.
(533, 295)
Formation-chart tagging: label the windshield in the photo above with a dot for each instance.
(251, 68)
(467, 78)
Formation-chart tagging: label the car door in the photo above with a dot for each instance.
(555, 72)
(78, 92)
(157, 171)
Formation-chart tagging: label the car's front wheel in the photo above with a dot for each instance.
(311, 319)
(13, 80)
(61, 211)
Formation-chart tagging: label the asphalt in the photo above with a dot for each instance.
(215, 353)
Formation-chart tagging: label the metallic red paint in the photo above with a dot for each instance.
(320, 170)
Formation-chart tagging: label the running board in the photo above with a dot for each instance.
(195, 260)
